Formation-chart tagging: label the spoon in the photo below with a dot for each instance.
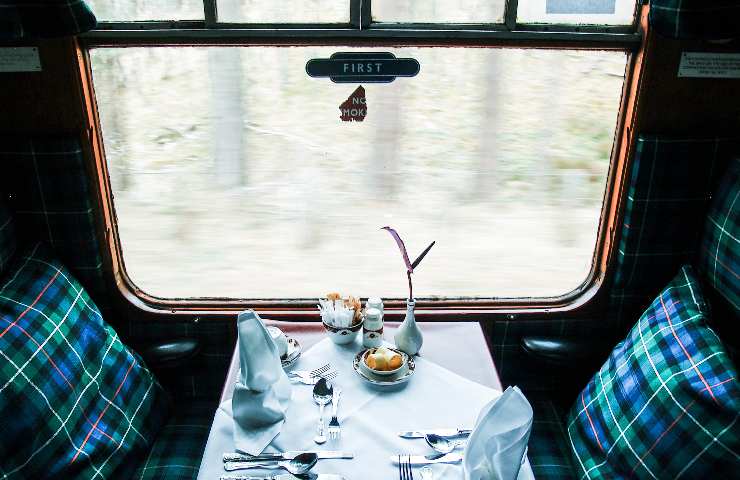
(301, 464)
(443, 444)
(322, 393)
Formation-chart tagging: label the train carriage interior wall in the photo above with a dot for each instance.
(355, 239)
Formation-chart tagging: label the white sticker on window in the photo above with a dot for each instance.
(581, 6)
(19, 59)
(709, 65)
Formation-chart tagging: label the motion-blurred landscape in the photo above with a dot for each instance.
(233, 175)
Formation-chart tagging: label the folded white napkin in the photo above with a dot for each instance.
(498, 443)
(262, 392)
(334, 312)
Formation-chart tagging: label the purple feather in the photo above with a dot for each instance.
(409, 266)
(401, 247)
(422, 255)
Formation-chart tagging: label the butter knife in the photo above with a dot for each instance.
(429, 459)
(444, 432)
(241, 457)
(286, 476)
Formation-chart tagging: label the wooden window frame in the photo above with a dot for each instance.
(584, 301)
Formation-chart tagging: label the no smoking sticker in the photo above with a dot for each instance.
(354, 109)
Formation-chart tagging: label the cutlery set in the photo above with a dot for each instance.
(288, 476)
(290, 455)
(299, 463)
(302, 463)
(323, 394)
(442, 440)
(296, 463)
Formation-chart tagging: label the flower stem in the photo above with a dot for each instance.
(411, 287)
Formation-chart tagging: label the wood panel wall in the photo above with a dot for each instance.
(48, 101)
(686, 106)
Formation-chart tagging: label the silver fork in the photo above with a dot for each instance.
(312, 380)
(313, 373)
(335, 431)
(405, 471)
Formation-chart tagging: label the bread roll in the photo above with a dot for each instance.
(383, 359)
(377, 362)
(394, 362)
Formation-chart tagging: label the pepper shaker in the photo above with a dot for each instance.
(372, 329)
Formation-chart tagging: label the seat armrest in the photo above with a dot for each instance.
(562, 351)
(170, 354)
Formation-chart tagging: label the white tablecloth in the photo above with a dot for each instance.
(370, 418)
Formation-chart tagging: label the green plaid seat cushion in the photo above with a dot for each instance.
(8, 243)
(46, 178)
(548, 450)
(178, 449)
(74, 401)
(670, 188)
(720, 247)
(708, 19)
(666, 402)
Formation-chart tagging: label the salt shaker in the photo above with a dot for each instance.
(372, 329)
(375, 302)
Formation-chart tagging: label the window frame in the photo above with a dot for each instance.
(361, 25)
(627, 39)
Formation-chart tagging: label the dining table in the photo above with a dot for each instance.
(453, 380)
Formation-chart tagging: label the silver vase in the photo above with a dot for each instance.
(408, 337)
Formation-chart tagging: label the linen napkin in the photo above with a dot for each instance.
(498, 443)
(262, 391)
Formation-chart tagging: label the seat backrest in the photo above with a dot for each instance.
(720, 246)
(8, 242)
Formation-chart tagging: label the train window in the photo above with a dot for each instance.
(134, 10)
(270, 11)
(233, 176)
(465, 11)
(597, 12)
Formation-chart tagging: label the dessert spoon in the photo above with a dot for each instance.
(443, 444)
(322, 393)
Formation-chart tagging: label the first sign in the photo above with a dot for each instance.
(367, 67)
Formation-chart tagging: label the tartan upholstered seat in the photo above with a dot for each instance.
(549, 450)
(7, 237)
(171, 451)
(179, 446)
(717, 265)
(720, 247)
(666, 402)
(74, 401)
